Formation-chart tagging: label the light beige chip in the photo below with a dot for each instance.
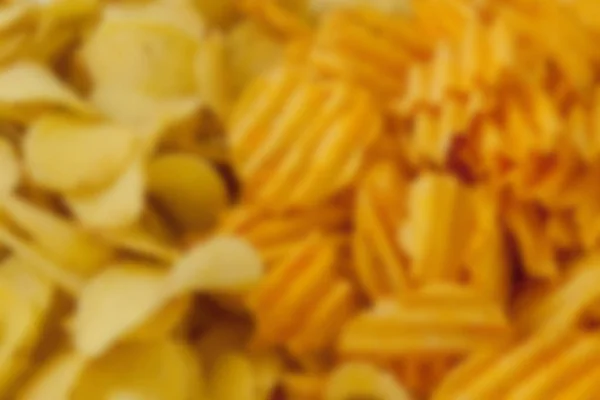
(10, 167)
(160, 370)
(137, 240)
(56, 379)
(27, 88)
(222, 264)
(119, 206)
(73, 155)
(114, 304)
(151, 118)
(155, 54)
(361, 380)
(188, 188)
(73, 249)
(212, 74)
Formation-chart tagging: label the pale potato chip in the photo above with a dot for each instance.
(37, 262)
(212, 74)
(34, 289)
(217, 13)
(164, 322)
(177, 14)
(26, 85)
(160, 370)
(21, 319)
(188, 189)
(151, 118)
(14, 14)
(58, 238)
(73, 155)
(115, 303)
(155, 56)
(56, 379)
(361, 380)
(138, 240)
(229, 368)
(250, 52)
(10, 167)
(219, 264)
(120, 205)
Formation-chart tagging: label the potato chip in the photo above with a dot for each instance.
(10, 166)
(115, 303)
(120, 205)
(26, 87)
(232, 367)
(137, 240)
(250, 52)
(211, 74)
(21, 318)
(76, 156)
(39, 264)
(161, 370)
(188, 189)
(362, 380)
(58, 238)
(220, 264)
(156, 54)
(164, 323)
(56, 379)
(217, 13)
(386, 6)
(149, 117)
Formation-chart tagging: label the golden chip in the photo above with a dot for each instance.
(361, 380)
(160, 370)
(10, 167)
(188, 188)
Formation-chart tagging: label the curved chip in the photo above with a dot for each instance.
(59, 239)
(150, 117)
(119, 206)
(160, 370)
(73, 155)
(56, 379)
(114, 304)
(25, 300)
(26, 85)
(361, 380)
(220, 264)
(155, 56)
(188, 188)
(10, 167)
(229, 368)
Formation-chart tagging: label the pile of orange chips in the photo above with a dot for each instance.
(299, 199)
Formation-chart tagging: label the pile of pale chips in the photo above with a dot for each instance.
(299, 199)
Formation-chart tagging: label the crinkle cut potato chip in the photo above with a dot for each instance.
(299, 199)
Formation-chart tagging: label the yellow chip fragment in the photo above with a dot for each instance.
(219, 264)
(361, 380)
(10, 168)
(229, 368)
(115, 303)
(26, 88)
(57, 237)
(24, 302)
(188, 188)
(120, 205)
(74, 155)
(159, 370)
(56, 379)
